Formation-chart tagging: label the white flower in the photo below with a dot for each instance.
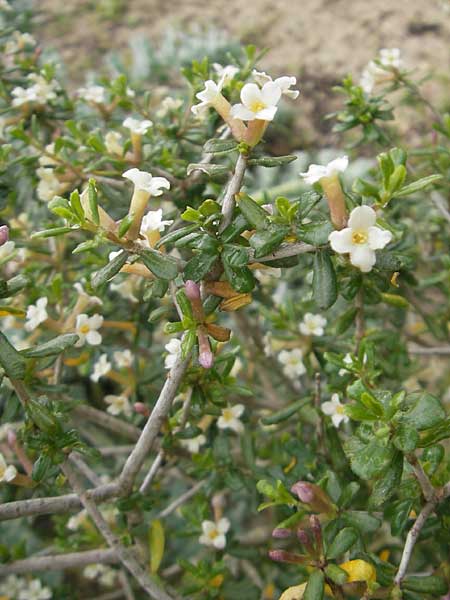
(284, 83)
(6, 427)
(230, 418)
(125, 288)
(86, 328)
(214, 533)
(123, 359)
(207, 97)
(105, 574)
(361, 238)
(167, 105)
(237, 367)
(348, 360)
(18, 42)
(4, 5)
(78, 520)
(39, 93)
(35, 591)
(49, 185)
(118, 405)
(265, 276)
(113, 143)
(153, 221)
(312, 324)
(146, 182)
(7, 473)
(174, 349)
(12, 585)
(6, 250)
(380, 71)
(257, 103)
(48, 161)
(317, 172)
(292, 361)
(225, 74)
(93, 93)
(193, 445)
(136, 126)
(36, 314)
(102, 367)
(87, 297)
(334, 409)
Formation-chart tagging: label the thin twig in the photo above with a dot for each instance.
(181, 500)
(107, 421)
(284, 251)
(425, 484)
(232, 189)
(439, 350)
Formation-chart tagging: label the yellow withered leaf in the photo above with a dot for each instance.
(156, 542)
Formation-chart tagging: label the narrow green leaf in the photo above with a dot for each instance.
(93, 202)
(109, 270)
(161, 265)
(418, 185)
(315, 587)
(324, 280)
(52, 347)
(11, 360)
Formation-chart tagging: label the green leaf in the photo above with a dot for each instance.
(93, 202)
(429, 584)
(42, 416)
(235, 256)
(210, 169)
(344, 540)
(255, 214)
(315, 587)
(218, 146)
(161, 265)
(324, 281)
(315, 233)
(241, 279)
(11, 360)
(406, 438)
(418, 185)
(125, 224)
(53, 232)
(173, 236)
(346, 320)
(423, 411)
(52, 347)
(109, 270)
(388, 482)
(336, 574)
(398, 514)
(75, 203)
(156, 544)
(272, 161)
(188, 342)
(184, 303)
(396, 179)
(285, 413)
(234, 229)
(199, 266)
(266, 241)
(368, 460)
(362, 520)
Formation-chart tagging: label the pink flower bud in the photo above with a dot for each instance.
(4, 234)
(205, 356)
(11, 437)
(304, 491)
(281, 533)
(192, 290)
(283, 556)
(206, 359)
(141, 409)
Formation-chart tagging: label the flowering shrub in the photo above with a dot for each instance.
(213, 387)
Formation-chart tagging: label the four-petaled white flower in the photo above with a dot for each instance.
(40, 92)
(292, 361)
(49, 185)
(317, 172)
(103, 573)
(312, 324)
(174, 349)
(118, 405)
(214, 534)
(36, 314)
(380, 71)
(102, 367)
(93, 93)
(229, 418)
(257, 103)
(361, 238)
(207, 96)
(113, 143)
(123, 358)
(153, 221)
(136, 126)
(6, 250)
(334, 409)
(194, 444)
(86, 328)
(7, 472)
(145, 182)
(284, 83)
(35, 591)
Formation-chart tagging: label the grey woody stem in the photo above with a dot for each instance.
(125, 555)
(232, 189)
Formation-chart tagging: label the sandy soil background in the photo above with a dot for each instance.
(319, 41)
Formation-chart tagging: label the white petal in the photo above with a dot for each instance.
(96, 321)
(239, 111)
(208, 526)
(220, 542)
(237, 410)
(362, 217)
(314, 174)
(266, 114)
(223, 525)
(271, 93)
(251, 94)
(341, 241)
(93, 338)
(158, 184)
(379, 238)
(362, 257)
(337, 165)
(10, 473)
(328, 408)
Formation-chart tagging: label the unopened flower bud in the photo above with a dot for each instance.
(11, 437)
(141, 409)
(283, 556)
(205, 356)
(192, 290)
(317, 530)
(312, 494)
(281, 533)
(304, 491)
(4, 234)
(306, 541)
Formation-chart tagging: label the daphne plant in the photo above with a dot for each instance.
(181, 340)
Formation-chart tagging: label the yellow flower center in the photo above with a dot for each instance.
(359, 237)
(340, 409)
(227, 414)
(84, 329)
(257, 105)
(213, 534)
